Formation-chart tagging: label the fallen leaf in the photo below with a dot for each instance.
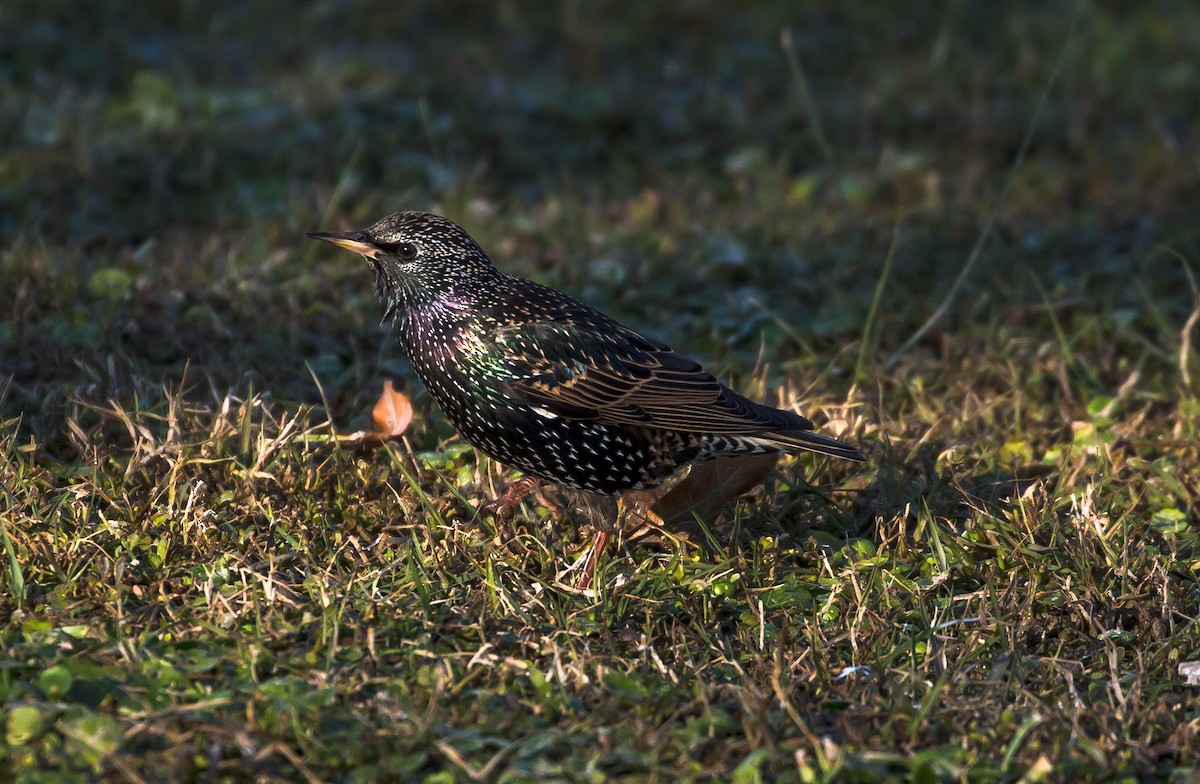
(712, 484)
(393, 411)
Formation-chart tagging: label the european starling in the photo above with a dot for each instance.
(545, 384)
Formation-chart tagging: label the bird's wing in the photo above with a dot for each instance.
(616, 376)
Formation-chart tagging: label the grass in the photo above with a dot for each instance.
(201, 582)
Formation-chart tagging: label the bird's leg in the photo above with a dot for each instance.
(600, 544)
(515, 494)
(504, 506)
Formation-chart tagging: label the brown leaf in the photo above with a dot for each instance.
(712, 484)
(393, 411)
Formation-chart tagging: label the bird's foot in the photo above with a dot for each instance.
(505, 506)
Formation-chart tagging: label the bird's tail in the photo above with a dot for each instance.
(813, 442)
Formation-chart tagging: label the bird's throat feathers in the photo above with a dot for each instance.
(434, 327)
(407, 296)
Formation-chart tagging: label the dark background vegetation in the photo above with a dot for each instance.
(201, 583)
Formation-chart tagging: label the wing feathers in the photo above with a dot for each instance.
(616, 376)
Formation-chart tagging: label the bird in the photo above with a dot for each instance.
(548, 385)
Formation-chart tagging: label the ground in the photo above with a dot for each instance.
(961, 235)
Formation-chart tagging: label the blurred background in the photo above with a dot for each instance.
(728, 176)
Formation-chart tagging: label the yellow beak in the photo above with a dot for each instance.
(350, 240)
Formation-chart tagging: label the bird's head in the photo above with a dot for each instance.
(418, 257)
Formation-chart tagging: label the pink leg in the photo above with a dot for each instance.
(599, 545)
(515, 494)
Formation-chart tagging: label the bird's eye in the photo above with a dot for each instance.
(405, 250)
